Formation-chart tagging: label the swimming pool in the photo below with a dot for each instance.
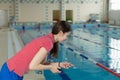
(90, 40)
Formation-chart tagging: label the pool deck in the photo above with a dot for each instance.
(10, 43)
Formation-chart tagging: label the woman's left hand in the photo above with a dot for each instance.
(65, 65)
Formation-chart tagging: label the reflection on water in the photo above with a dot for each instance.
(115, 55)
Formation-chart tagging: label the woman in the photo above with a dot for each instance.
(32, 56)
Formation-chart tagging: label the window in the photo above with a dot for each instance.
(115, 4)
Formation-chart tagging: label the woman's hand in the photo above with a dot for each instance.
(55, 68)
(65, 65)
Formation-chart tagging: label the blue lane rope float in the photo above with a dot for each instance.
(101, 34)
(95, 42)
(89, 54)
(93, 61)
(98, 26)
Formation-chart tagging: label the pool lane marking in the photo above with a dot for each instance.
(95, 42)
(93, 61)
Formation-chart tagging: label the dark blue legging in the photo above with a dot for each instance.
(6, 74)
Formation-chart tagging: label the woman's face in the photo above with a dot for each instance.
(63, 36)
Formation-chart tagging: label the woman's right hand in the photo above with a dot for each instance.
(55, 68)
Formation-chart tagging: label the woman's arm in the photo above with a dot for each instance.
(36, 63)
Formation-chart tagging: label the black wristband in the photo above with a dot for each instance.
(59, 64)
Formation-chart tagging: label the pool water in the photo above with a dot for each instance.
(91, 42)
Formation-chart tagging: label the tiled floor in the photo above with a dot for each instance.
(3, 45)
(5, 52)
